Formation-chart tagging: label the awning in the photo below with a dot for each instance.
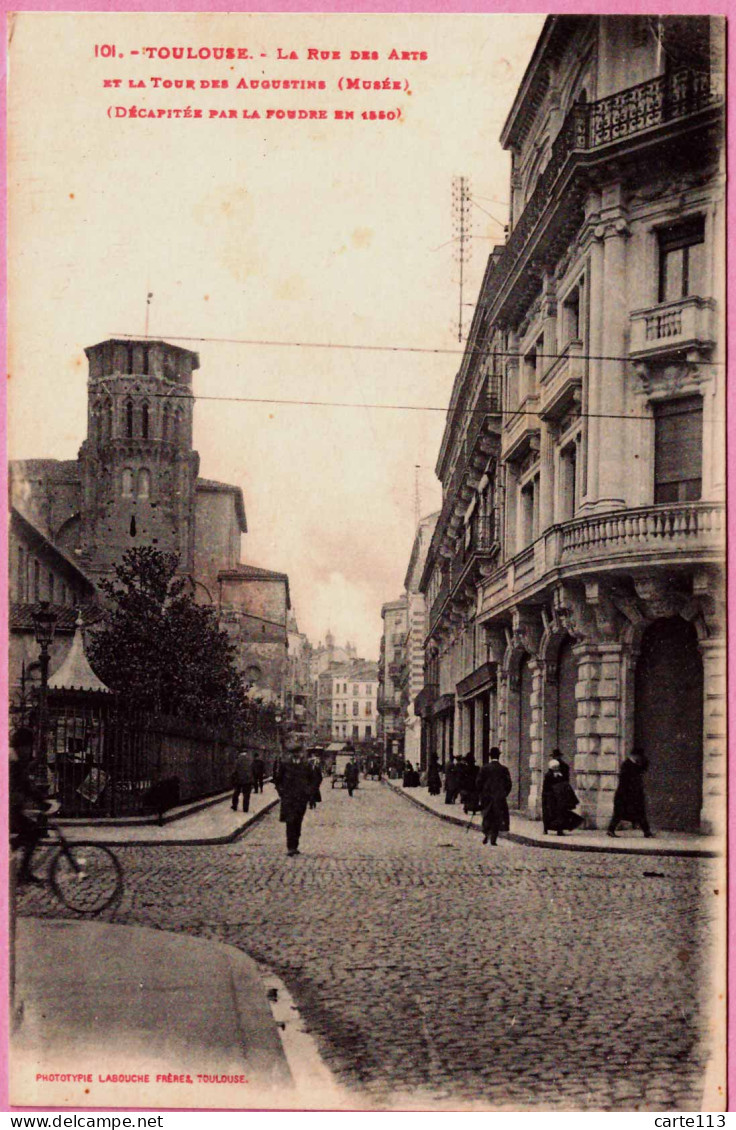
(444, 703)
(480, 680)
(423, 702)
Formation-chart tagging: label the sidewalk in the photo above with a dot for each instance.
(215, 824)
(117, 1006)
(524, 831)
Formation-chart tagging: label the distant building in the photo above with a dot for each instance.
(136, 483)
(412, 681)
(353, 689)
(392, 695)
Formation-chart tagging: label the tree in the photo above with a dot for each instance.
(162, 651)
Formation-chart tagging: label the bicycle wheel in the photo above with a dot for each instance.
(86, 877)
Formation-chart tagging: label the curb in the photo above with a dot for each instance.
(567, 845)
(146, 821)
(200, 841)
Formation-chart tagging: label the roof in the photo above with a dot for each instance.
(211, 486)
(359, 670)
(147, 341)
(21, 616)
(420, 548)
(531, 89)
(394, 605)
(75, 672)
(244, 572)
(39, 540)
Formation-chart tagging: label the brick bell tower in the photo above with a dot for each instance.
(137, 464)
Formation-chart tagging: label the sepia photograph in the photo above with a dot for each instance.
(366, 549)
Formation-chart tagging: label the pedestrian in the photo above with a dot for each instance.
(242, 781)
(469, 785)
(564, 767)
(315, 774)
(293, 782)
(494, 786)
(259, 769)
(25, 832)
(452, 781)
(558, 801)
(351, 776)
(434, 781)
(629, 802)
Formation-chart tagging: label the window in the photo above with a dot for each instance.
(127, 483)
(165, 423)
(107, 420)
(571, 317)
(36, 581)
(129, 419)
(529, 498)
(356, 690)
(52, 586)
(681, 260)
(678, 449)
(568, 481)
(356, 707)
(368, 710)
(133, 530)
(144, 483)
(144, 420)
(356, 731)
(367, 731)
(21, 594)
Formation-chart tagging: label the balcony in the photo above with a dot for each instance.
(521, 431)
(647, 531)
(652, 112)
(672, 327)
(562, 383)
(481, 540)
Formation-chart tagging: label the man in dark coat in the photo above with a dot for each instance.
(558, 801)
(242, 781)
(293, 781)
(629, 802)
(258, 771)
(351, 776)
(494, 785)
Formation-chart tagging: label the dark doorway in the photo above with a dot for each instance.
(522, 776)
(485, 739)
(567, 707)
(668, 722)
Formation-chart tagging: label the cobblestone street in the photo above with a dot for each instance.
(434, 970)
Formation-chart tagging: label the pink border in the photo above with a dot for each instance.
(620, 7)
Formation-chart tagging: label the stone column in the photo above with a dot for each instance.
(713, 812)
(546, 477)
(536, 754)
(598, 728)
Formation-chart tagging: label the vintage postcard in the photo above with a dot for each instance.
(366, 557)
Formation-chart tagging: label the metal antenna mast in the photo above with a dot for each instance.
(462, 223)
(416, 495)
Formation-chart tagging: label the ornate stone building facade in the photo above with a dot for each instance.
(575, 581)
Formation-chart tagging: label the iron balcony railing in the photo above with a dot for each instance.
(588, 127)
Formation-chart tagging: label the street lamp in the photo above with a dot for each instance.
(44, 626)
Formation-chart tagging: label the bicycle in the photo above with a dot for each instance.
(86, 877)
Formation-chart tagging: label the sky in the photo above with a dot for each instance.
(331, 237)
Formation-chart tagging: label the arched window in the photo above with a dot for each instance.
(129, 419)
(132, 527)
(165, 423)
(127, 483)
(144, 420)
(144, 483)
(107, 419)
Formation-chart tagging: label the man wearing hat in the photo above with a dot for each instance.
(494, 785)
